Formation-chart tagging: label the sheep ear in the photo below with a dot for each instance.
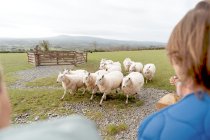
(88, 73)
(60, 72)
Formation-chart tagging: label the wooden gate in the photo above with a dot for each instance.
(40, 58)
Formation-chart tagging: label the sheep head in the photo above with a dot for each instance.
(100, 80)
(126, 82)
(60, 77)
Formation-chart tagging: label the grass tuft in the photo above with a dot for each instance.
(113, 129)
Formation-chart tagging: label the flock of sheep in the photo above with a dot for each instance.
(109, 77)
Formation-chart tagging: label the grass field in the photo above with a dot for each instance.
(39, 102)
(13, 62)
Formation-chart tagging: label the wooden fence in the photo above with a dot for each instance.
(56, 58)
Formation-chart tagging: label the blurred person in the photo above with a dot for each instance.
(5, 108)
(73, 127)
(189, 53)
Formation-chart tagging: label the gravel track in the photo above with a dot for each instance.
(131, 117)
(36, 73)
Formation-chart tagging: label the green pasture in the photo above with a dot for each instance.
(11, 63)
(40, 102)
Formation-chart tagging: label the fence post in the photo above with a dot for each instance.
(57, 55)
(28, 57)
(86, 57)
(36, 59)
(75, 58)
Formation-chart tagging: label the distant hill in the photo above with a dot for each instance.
(75, 42)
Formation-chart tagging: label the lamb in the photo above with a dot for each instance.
(136, 67)
(71, 82)
(132, 84)
(149, 71)
(127, 63)
(107, 82)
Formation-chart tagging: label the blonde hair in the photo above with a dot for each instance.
(189, 46)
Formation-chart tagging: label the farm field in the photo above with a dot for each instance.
(39, 98)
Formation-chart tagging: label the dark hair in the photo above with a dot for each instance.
(189, 46)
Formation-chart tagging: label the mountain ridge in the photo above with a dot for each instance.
(69, 42)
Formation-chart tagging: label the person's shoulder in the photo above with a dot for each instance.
(156, 116)
(153, 123)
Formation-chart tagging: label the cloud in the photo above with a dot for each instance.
(117, 19)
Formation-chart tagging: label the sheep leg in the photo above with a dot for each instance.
(105, 97)
(146, 81)
(63, 94)
(102, 98)
(93, 92)
(118, 90)
(84, 91)
(74, 90)
(126, 99)
(91, 98)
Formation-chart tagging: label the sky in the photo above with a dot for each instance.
(140, 20)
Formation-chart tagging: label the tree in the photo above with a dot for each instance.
(44, 44)
(94, 46)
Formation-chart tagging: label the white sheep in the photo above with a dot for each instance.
(136, 67)
(101, 72)
(127, 63)
(89, 80)
(149, 71)
(105, 65)
(74, 71)
(106, 83)
(116, 63)
(112, 67)
(104, 62)
(71, 82)
(132, 84)
(102, 66)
